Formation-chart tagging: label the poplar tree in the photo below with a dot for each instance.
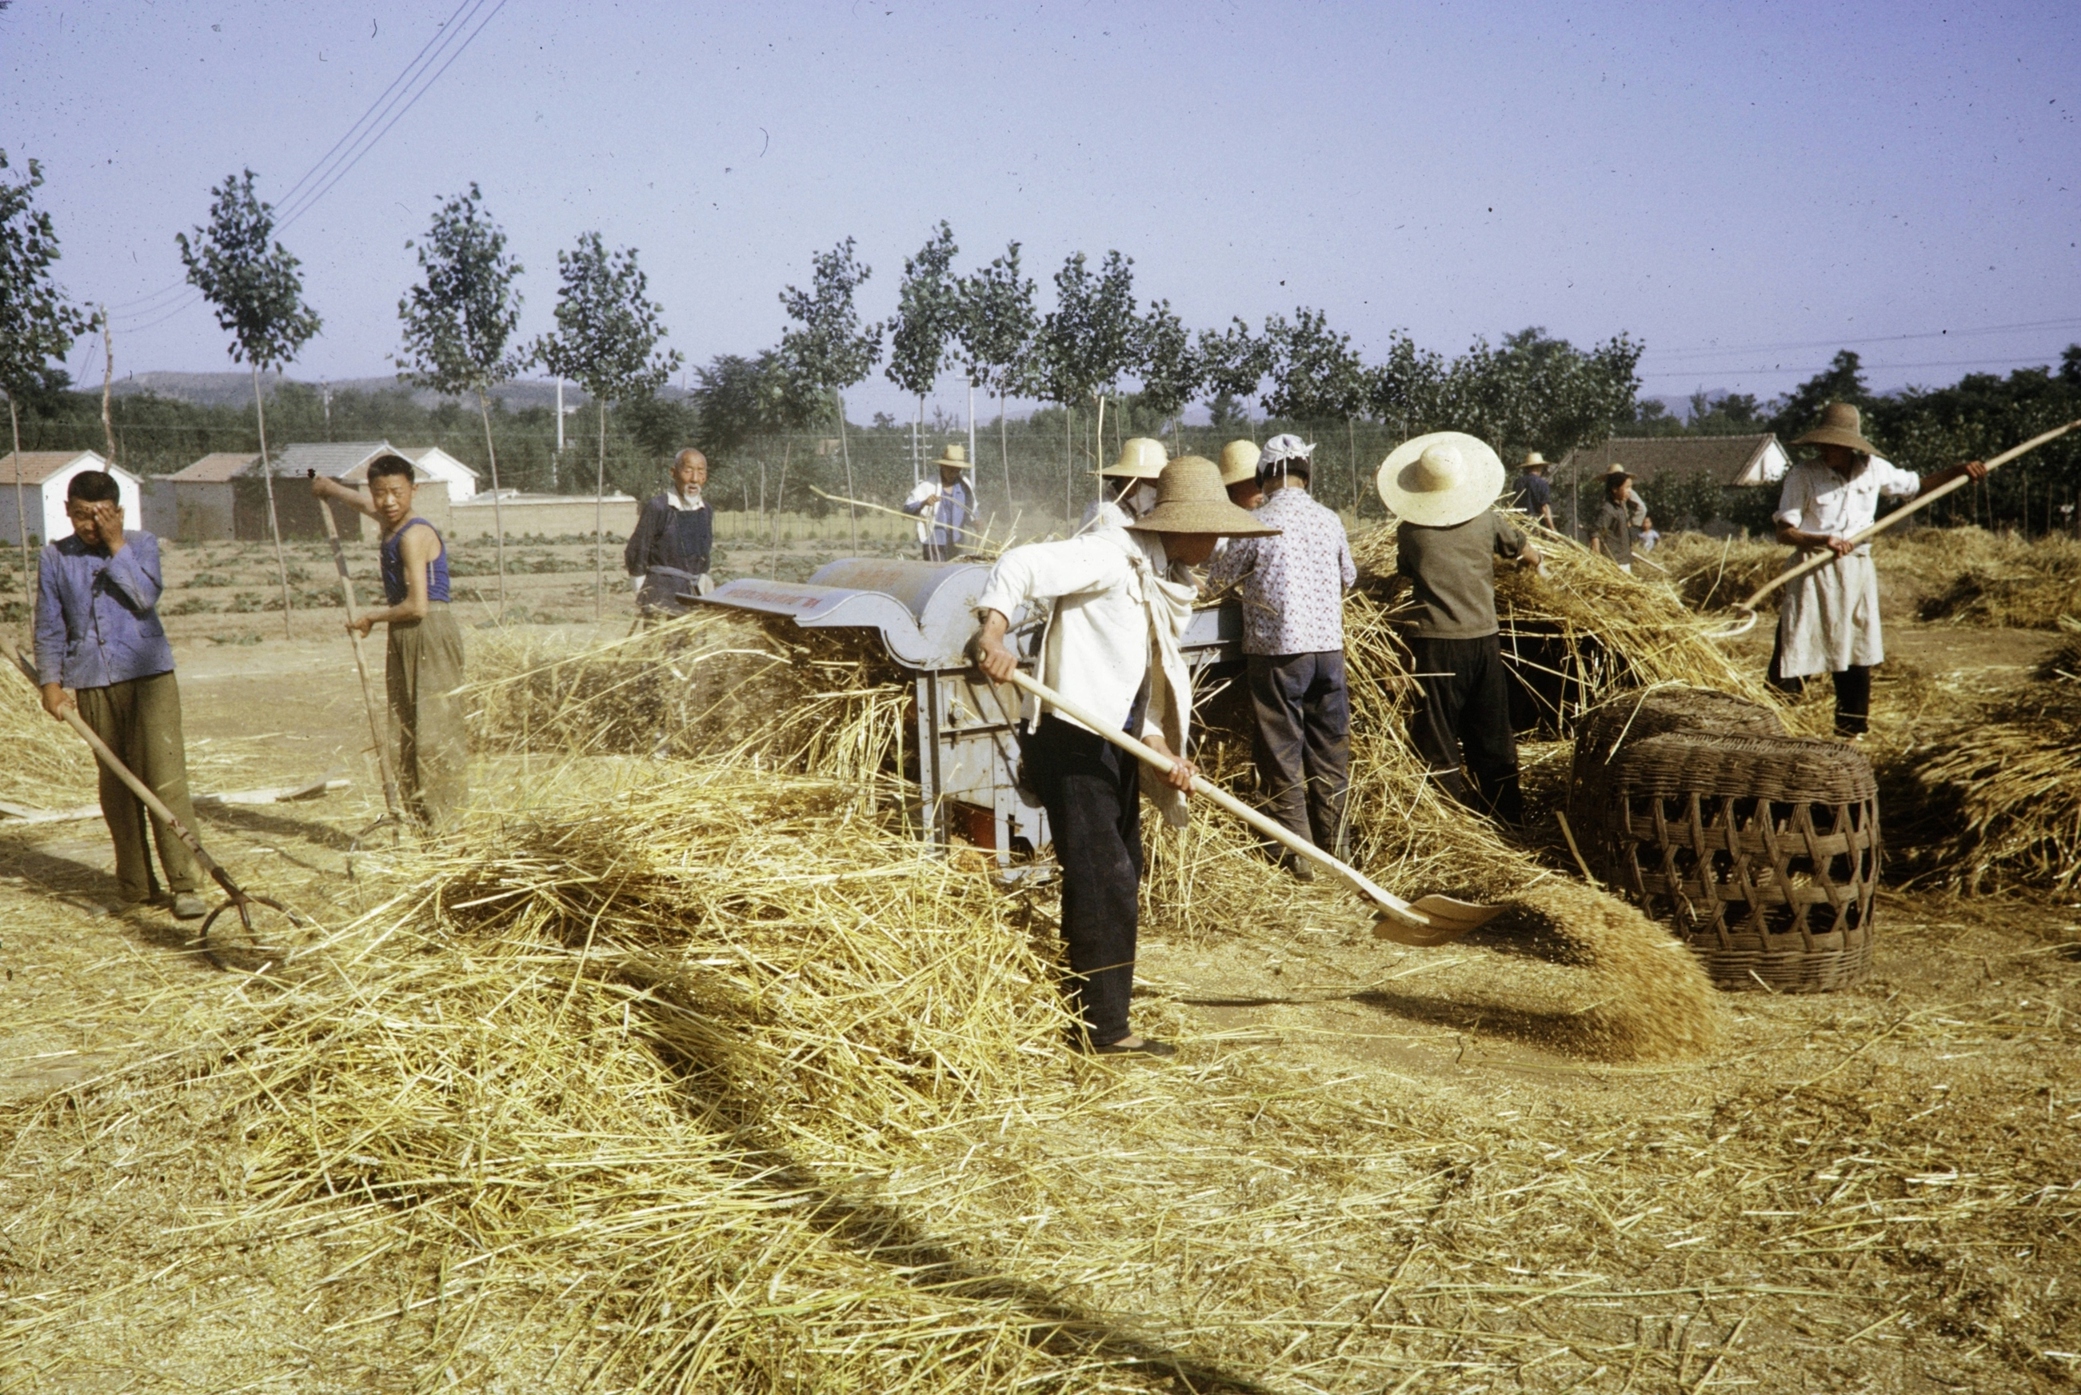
(606, 341)
(1170, 366)
(1086, 342)
(995, 329)
(828, 348)
(37, 322)
(1316, 376)
(459, 323)
(253, 284)
(928, 307)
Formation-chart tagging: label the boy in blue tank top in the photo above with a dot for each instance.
(423, 664)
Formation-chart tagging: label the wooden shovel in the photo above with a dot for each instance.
(1431, 920)
(1828, 557)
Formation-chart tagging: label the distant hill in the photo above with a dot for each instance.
(236, 389)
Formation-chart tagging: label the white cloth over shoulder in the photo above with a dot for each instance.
(1109, 600)
(1829, 619)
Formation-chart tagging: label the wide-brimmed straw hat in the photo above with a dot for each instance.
(1617, 472)
(1239, 462)
(1533, 459)
(1190, 498)
(1440, 479)
(1141, 458)
(1841, 425)
(957, 456)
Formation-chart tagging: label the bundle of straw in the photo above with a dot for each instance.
(46, 764)
(2003, 582)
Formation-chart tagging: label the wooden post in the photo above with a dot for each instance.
(845, 450)
(108, 376)
(274, 522)
(21, 512)
(600, 523)
(498, 522)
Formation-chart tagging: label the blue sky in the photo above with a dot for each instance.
(1744, 187)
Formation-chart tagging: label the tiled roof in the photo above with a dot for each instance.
(216, 468)
(38, 465)
(1724, 458)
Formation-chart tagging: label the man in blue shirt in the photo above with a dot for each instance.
(1535, 493)
(98, 635)
(943, 507)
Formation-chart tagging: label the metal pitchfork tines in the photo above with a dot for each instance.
(1746, 611)
(240, 899)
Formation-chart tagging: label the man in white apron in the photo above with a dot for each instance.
(1829, 621)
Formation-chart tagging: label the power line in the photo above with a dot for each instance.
(1884, 339)
(371, 142)
(1872, 367)
(357, 139)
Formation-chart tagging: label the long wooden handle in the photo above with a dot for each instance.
(391, 798)
(122, 772)
(1920, 502)
(1277, 832)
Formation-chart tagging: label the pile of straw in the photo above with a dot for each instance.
(1994, 803)
(46, 766)
(1981, 580)
(1713, 575)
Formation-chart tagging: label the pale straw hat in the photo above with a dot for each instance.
(1141, 458)
(1440, 479)
(1533, 461)
(1841, 425)
(1190, 498)
(956, 456)
(1239, 462)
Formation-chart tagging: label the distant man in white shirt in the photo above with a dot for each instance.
(1829, 620)
(943, 507)
(1114, 602)
(1292, 588)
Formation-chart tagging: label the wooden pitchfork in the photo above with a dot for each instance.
(1429, 920)
(1746, 610)
(243, 901)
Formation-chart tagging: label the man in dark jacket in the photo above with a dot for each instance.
(1442, 488)
(675, 534)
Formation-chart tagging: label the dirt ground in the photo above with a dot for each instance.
(1949, 1081)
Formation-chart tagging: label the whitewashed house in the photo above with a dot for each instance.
(44, 476)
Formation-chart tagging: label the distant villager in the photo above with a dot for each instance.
(668, 552)
(944, 507)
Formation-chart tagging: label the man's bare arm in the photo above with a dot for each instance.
(339, 493)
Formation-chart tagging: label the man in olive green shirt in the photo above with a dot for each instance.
(1448, 536)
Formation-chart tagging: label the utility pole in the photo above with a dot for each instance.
(971, 437)
(108, 373)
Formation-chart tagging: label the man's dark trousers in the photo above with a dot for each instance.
(1092, 792)
(1852, 690)
(1466, 717)
(1303, 742)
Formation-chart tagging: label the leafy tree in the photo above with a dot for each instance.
(1170, 366)
(1086, 342)
(996, 330)
(1981, 415)
(1232, 362)
(1316, 376)
(1730, 414)
(257, 291)
(828, 347)
(460, 323)
(37, 322)
(1410, 389)
(928, 313)
(1841, 381)
(606, 340)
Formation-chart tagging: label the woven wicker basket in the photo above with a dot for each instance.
(1762, 851)
(1640, 716)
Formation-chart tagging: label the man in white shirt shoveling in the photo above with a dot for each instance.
(1829, 622)
(1115, 601)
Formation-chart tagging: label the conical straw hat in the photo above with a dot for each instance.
(956, 456)
(1190, 498)
(1841, 425)
(1141, 458)
(1532, 458)
(1441, 479)
(1239, 462)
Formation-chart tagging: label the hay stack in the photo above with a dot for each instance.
(46, 766)
(2005, 582)
(1713, 575)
